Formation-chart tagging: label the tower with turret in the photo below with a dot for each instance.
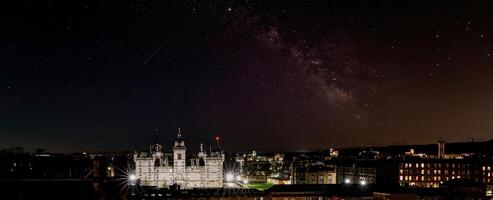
(179, 159)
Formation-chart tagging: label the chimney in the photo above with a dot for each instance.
(441, 149)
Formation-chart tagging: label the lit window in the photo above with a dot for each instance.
(422, 165)
(401, 178)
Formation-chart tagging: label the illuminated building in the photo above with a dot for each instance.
(262, 167)
(434, 172)
(428, 173)
(160, 169)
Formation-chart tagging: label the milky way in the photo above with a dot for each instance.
(266, 75)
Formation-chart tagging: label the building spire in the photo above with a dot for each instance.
(179, 142)
(157, 136)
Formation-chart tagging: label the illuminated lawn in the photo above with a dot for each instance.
(259, 186)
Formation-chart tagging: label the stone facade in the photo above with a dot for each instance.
(160, 169)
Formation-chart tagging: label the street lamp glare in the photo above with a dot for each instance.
(230, 177)
(132, 177)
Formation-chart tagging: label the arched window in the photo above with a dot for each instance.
(179, 156)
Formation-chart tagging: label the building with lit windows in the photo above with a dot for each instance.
(163, 169)
(421, 172)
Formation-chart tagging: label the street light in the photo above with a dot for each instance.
(347, 181)
(362, 182)
(132, 177)
(132, 182)
(230, 177)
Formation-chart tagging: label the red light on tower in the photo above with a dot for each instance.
(217, 141)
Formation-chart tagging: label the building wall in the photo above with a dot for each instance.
(380, 172)
(156, 169)
(387, 196)
(209, 175)
(434, 172)
(320, 177)
(356, 173)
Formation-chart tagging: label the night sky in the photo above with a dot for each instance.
(265, 75)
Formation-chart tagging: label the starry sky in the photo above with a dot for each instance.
(266, 75)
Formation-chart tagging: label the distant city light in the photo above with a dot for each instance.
(347, 181)
(362, 182)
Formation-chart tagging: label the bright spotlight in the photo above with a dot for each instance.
(347, 181)
(245, 181)
(230, 177)
(362, 182)
(132, 177)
